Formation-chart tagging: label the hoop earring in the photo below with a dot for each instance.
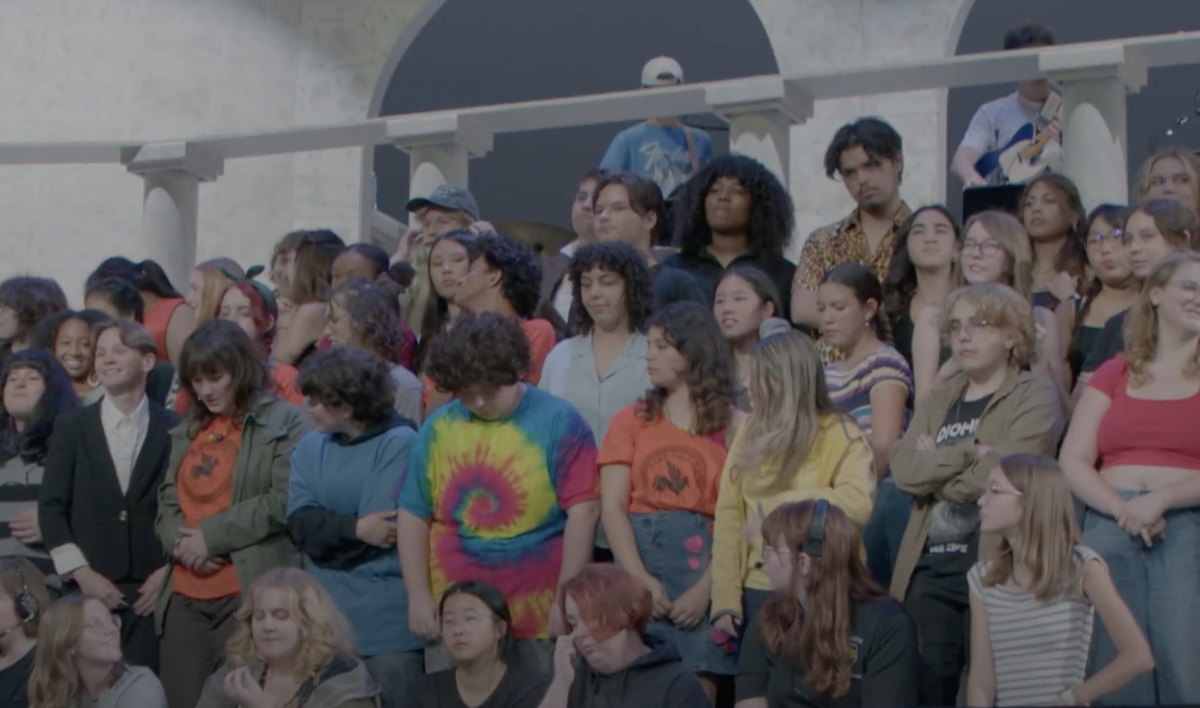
(93, 383)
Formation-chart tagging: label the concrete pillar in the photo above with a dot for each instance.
(171, 174)
(1095, 83)
(439, 150)
(761, 116)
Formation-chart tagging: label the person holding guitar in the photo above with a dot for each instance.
(1014, 139)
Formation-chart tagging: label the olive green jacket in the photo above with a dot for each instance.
(253, 531)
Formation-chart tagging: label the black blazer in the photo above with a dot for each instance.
(81, 500)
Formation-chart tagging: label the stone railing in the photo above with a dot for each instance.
(761, 112)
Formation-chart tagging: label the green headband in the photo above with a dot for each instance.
(267, 296)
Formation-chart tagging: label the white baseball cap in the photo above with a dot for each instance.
(662, 71)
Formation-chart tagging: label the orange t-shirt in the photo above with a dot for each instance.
(156, 318)
(205, 484)
(541, 337)
(669, 469)
(283, 376)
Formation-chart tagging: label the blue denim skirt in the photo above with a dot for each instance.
(676, 548)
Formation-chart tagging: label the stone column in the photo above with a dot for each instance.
(761, 115)
(439, 147)
(172, 173)
(1095, 82)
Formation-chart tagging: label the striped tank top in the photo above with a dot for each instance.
(1040, 647)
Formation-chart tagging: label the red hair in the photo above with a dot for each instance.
(610, 600)
(837, 580)
(259, 312)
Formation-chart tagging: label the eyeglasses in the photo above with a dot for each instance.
(1097, 238)
(988, 247)
(994, 491)
(971, 327)
(99, 624)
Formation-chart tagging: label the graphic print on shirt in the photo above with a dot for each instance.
(676, 471)
(668, 168)
(954, 523)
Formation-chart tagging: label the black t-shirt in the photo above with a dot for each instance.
(1109, 344)
(14, 682)
(886, 670)
(520, 688)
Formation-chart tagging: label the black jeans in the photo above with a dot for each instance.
(938, 600)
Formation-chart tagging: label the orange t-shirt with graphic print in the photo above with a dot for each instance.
(283, 376)
(205, 485)
(669, 469)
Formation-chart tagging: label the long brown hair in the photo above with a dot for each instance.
(55, 682)
(1072, 256)
(709, 375)
(1141, 324)
(837, 581)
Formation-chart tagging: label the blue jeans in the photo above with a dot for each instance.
(1161, 585)
(396, 675)
(885, 530)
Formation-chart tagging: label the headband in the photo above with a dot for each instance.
(251, 272)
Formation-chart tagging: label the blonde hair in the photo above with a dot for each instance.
(18, 575)
(1048, 530)
(791, 400)
(1191, 165)
(1003, 308)
(1014, 240)
(1141, 324)
(324, 632)
(54, 681)
(213, 284)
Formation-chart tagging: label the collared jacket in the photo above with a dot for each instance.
(253, 531)
(343, 683)
(1023, 416)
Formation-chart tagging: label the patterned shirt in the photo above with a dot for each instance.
(843, 242)
(496, 495)
(850, 390)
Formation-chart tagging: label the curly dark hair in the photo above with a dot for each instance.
(121, 294)
(772, 215)
(692, 330)
(520, 269)
(222, 347)
(33, 299)
(374, 316)
(624, 260)
(875, 136)
(486, 350)
(900, 282)
(33, 443)
(349, 376)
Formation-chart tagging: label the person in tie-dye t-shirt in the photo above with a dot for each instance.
(501, 487)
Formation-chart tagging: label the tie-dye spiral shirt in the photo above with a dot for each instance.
(496, 494)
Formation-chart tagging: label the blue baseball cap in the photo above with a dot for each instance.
(448, 198)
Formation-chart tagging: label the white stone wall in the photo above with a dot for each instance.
(77, 70)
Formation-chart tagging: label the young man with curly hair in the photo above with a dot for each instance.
(733, 212)
(342, 505)
(501, 488)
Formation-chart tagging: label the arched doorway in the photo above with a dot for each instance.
(1170, 95)
(477, 52)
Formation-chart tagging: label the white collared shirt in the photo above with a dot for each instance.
(125, 435)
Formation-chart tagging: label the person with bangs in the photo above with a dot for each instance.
(1173, 173)
(660, 468)
(99, 494)
(222, 507)
(922, 273)
(24, 302)
(370, 262)
(1152, 231)
(36, 391)
(1033, 605)
(873, 385)
(366, 315)
(734, 212)
(251, 305)
(118, 299)
(1132, 455)
(208, 284)
(794, 445)
(68, 336)
(830, 635)
(306, 285)
(995, 249)
(1113, 288)
(991, 407)
(167, 316)
(501, 487)
(608, 658)
(1053, 216)
(745, 299)
(448, 265)
(291, 647)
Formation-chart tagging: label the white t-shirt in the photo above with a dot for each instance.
(996, 122)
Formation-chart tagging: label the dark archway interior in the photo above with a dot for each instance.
(480, 52)
(1170, 95)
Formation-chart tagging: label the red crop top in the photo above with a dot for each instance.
(1136, 431)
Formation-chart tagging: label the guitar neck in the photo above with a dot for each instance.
(1035, 148)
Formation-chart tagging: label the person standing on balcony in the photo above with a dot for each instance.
(663, 149)
(998, 124)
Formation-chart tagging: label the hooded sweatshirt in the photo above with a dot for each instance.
(655, 680)
(343, 683)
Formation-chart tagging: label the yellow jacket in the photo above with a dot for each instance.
(840, 468)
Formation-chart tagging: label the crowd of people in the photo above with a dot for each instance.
(932, 464)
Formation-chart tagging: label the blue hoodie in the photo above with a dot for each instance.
(334, 482)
